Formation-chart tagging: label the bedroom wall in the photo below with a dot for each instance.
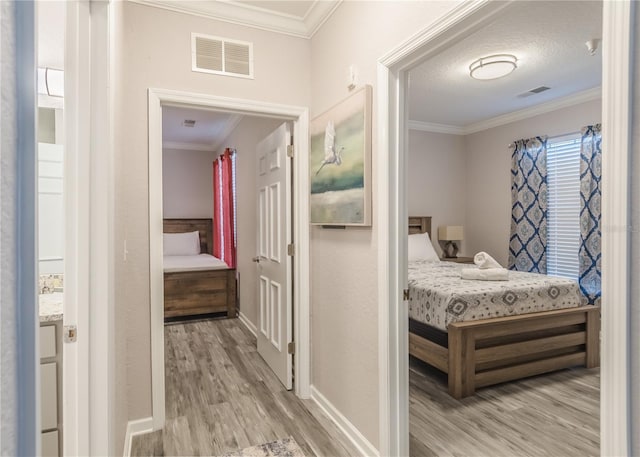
(488, 174)
(436, 181)
(187, 183)
(634, 353)
(344, 262)
(154, 51)
(244, 138)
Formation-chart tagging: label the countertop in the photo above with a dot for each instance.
(51, 307)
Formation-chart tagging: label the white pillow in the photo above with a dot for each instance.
(181, 243)
(420, 248)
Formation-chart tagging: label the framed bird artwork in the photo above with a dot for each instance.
(340, 163)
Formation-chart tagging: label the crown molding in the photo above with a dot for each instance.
(253, 16)
(543, 108)
(183, 146)
(318, 14)
(230, 126)
(436, 128)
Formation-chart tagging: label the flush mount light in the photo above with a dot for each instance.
(493, 67)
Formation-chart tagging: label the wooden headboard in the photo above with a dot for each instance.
(420, 225)
(204, 226)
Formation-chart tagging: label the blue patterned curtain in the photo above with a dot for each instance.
(528, 242)
(590, 214)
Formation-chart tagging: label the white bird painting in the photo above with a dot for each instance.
(331, 150)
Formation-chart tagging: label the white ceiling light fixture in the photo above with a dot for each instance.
(493, 67)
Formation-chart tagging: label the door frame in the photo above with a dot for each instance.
(392, 70)
(158, 98)
(89, 363)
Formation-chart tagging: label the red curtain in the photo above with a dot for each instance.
(224, 243)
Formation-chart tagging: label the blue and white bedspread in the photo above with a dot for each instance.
(438, 296)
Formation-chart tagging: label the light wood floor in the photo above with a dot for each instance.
(556, 414)
(221, 396)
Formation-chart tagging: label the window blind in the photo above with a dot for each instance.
(563, 223)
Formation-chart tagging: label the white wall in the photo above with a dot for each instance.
(187, 183)
(437, 184)
(244, 138)
(344, 262)
(488, 174)
(153, 50)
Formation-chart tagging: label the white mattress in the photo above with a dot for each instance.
(177, 263)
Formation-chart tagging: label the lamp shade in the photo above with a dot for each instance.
(451, 233)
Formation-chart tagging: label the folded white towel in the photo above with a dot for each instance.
(485, 274)
(484, 261)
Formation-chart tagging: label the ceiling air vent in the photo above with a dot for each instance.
(535, 91)
(221, 56)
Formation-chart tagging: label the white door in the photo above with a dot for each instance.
(273, 262)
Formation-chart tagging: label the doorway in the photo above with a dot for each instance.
(299, 117)
(392, 213)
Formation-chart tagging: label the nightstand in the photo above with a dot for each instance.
(458, 259)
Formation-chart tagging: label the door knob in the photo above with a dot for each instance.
(256, 259)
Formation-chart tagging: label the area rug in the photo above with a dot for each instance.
(286, 447)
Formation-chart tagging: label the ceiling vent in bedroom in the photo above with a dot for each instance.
(189, 123)
(221, 56)
(535, 91)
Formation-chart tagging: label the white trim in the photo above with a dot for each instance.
(526, 113)
(615, 431)
(201, 147)
(253, 16)
(393, 332)
(77, 184)
(135, 428)
(247, 323)
(436, 128)
(102, 291)
(300, 117)
(364, 446)
(543, 108)
(229, 127)
(318, 14)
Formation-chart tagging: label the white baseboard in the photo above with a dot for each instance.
(359, 441)
(252, 328)
(136, 427)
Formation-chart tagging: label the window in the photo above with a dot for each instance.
(563, 225)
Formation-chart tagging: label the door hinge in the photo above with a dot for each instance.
(70, 333)
(290, 150)
(291, 249)
(291, 348)
(405, 294)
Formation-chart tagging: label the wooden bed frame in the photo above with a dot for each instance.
(490, 351)
(193, 293)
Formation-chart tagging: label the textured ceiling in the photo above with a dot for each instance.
(548, 37)
(210, 128)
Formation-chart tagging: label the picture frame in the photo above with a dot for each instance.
(340, 163)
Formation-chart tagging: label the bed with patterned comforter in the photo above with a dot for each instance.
(438, 296)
